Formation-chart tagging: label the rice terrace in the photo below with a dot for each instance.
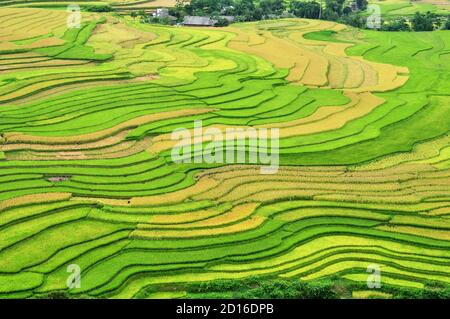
(92, 97)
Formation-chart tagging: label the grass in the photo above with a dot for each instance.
(325, 35)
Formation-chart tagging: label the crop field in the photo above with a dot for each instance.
(86, 175)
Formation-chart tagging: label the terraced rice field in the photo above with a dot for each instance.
(121, 6)
(406, 7)
(87, 177)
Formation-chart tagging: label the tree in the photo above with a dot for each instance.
(203, 7)
(221, 22)
(424, 21)
(447, 24)
(245, 10)
(333, 9)
(346, 10)
(275, 7)
(329, 14)
(178, 13)
(96, 8)
(258, 14)
(301, 9)
(354, 19)
(361, 4)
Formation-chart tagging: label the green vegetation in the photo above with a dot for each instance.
(425, 22)
(425, 18)
(97, 8)
(270, 288)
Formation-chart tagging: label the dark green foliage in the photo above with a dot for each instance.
(333, 10)
(331, 288)
(361, 4)
(61, 295)
(177, 13)
(301, 9)
(245, 10)
(205, 7)
(157, 20)
(353, 19)
(346, 11)
(425, 21)
(98, 8)
(447, 24)
(221, 22)
(222, 285)
(427, 293)
(263, 288)
(57, 295)
(272, 7)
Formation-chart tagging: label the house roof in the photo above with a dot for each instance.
(198, 20)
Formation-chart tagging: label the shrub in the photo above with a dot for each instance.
(397, 24)
(101, 8)
(157, 20)
(221, 22)
(361, 4)
(257, 288)
(447, 24)
(424, 21)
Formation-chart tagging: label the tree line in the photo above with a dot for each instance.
(343, 11)
(254, 10)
